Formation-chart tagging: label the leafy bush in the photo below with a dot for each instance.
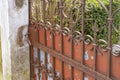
(94, 13)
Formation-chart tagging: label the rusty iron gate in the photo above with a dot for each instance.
(58, 52)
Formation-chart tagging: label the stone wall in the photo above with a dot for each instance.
(15, 49)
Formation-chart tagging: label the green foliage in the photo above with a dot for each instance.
(94, 12)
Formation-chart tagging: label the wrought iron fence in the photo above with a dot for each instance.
(71, 18)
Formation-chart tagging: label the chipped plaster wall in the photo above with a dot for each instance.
(15, 50)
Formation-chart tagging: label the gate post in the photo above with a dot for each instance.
(15, 49)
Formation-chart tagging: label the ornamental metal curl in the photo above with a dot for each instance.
(116, 50)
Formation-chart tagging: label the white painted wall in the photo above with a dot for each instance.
(4, 24)
(15, 57)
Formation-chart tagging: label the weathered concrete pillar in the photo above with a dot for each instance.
(15, 49)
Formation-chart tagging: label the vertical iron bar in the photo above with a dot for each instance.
(37, 22)
(39, 54)
(53, 56)
(110, 18)
(61, 25)
(95, 45)
(30, 54)
(37, 25)
(44, 19)
(83, 26)
(30, 15)
(71, 52)
(53, 44)
(31, 62)
(71, 42)
(39, 63)
(36, 9)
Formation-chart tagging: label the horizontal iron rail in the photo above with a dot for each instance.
(73, 63)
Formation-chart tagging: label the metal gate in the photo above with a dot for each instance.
(59, 52)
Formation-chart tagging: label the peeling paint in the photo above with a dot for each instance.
(49, 66)
(86, 78)
(69, 66)
(48, 57)
(35, 53)
(86, 56)
(50, 78)
(92, 57)
(42, 57)
(57, 73)
(36, 73)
